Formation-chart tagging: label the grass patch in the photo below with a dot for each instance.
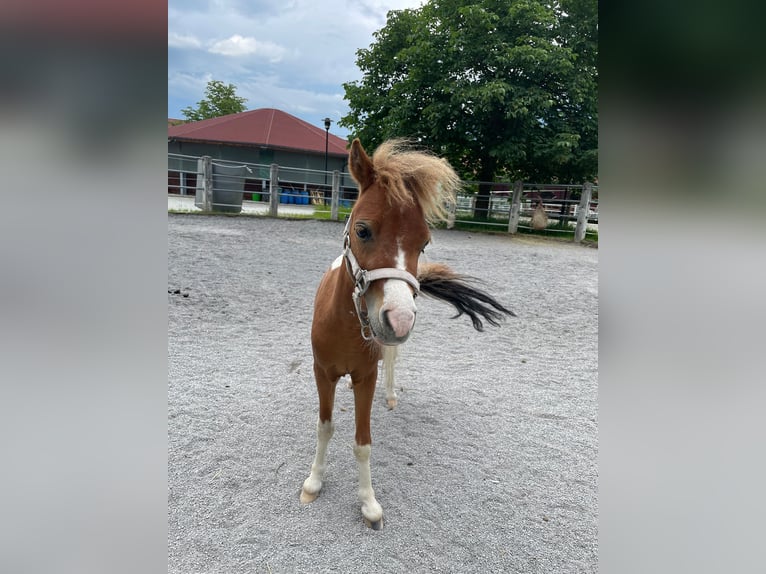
(324, 212)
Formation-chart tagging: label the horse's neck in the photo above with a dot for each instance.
(336, 337)
(333, 298)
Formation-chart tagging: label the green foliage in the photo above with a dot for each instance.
(220, 100)
(502, 89)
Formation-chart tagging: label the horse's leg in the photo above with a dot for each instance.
(364, 391)
(389, 361)
(325, 428)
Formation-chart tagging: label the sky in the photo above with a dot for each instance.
(292, 55)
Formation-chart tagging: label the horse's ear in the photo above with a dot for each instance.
(360, 165)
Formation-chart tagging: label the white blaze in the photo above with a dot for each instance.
(396, 293)
(398, 308)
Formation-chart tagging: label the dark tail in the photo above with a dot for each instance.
(439, 281)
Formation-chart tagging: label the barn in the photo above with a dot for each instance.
(264, 136)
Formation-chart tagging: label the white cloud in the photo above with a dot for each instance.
(238, 45)
(180, 84)
(293, 55)
(180, 41)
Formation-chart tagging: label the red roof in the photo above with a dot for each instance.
(262, 127)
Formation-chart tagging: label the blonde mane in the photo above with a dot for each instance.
(412, 175)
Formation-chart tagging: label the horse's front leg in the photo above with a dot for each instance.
(389, 362)
(325, 428)
(364, 391)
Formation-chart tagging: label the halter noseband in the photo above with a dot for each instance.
(363, 278)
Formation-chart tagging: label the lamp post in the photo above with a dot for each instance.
(327, 122)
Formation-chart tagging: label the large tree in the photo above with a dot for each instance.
(501, 88)
(574, 118)
(220, 100)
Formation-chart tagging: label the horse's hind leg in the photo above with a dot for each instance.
(325, 428)
(389, 361)
(364, 392)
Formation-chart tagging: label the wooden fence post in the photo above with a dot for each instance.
(274, 190)
(203, 196)
(335, 195)
(582, 212)
(513, 219)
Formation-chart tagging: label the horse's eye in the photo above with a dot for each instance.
(362, 232)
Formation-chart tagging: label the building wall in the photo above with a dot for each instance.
(266, 156)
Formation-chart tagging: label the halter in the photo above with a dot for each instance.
(363, 278)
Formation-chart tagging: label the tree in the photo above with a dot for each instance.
(502, 89)
(220, 100)
(577, 112)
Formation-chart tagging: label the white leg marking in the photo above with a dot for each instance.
(371, 510)
(389, 361)
(313, 484)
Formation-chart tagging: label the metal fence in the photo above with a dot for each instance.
(186, 176)
(562, 203)
(221, 185)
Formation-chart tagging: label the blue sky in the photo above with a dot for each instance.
(292, 55)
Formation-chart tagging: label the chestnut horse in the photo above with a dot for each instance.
(365, 303)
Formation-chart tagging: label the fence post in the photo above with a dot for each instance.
(513, 219)
(451, 213)
(273, 190)
(335, 195)
(582, 212)
(203, 197)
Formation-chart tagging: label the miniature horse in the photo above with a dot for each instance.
(365, 303)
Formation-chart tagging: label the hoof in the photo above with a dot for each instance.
(376, 525)
(308, 497)
(391, 404)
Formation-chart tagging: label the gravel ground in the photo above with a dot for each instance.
(488, 464)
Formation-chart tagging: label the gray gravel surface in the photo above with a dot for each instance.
(488, 464)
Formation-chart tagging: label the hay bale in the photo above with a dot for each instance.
(539, 218)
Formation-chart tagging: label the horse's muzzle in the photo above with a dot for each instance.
(394, 325)
(400, 321)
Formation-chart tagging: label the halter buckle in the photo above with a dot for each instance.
(366, 332)
(362, 282)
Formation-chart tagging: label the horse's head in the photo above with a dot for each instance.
(399, 193)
